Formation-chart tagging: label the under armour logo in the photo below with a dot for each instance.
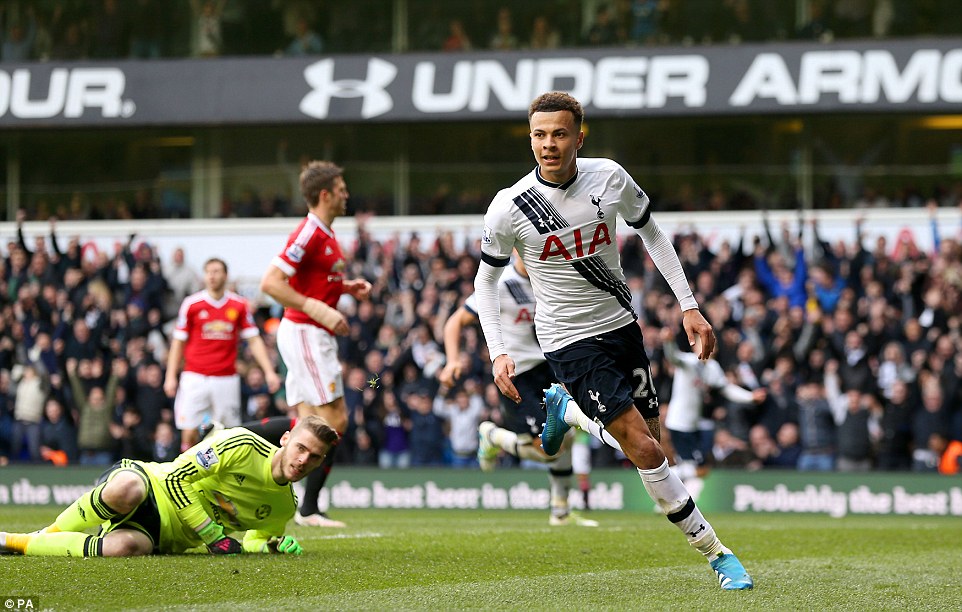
(545, 221)
(595, 396)
(701, 527)
(320, 76)
(597, 202)
(653, 403)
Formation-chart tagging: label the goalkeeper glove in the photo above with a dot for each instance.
(225, 546)
(288, 545)
(217, 543)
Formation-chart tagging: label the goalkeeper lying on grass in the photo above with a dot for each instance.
(233, 481)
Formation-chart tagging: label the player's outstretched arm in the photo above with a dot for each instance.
(175, 355)
(666, 260)
(489, 313)
(489, 306)
(670, 348)
(701, 338)
(259, 351)
(452, 345)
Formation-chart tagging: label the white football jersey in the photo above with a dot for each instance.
(692, 377)
(566, 237)
(517, 319)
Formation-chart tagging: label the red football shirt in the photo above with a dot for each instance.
(211, 330)
(313, 261)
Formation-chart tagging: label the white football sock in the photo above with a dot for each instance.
(559, 475)
(559, 506)
(670, 494)
(562, 461)
(505, 440)
(575, 417)
(531, 453)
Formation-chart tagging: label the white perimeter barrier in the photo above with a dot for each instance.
(247, 245)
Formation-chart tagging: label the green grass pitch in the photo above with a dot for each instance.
(512, 560)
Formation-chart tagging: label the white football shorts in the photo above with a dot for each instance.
(207, 398)
(313, 368)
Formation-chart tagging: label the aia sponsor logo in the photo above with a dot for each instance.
(578, 245)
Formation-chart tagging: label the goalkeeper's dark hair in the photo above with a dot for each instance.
(554, 101)
(319, 427)
(316, 177)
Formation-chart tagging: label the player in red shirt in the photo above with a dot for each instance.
(210, 325)
(307, 278)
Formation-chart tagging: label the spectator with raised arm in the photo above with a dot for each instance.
(775, 274)
(95, 410)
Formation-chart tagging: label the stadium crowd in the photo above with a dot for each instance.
(149, 29)
(857, 344)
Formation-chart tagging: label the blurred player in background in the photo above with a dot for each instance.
(684, 418)
(581, 464)
(562, 218)
(520, 435)
(307, 279)
(234, 481)
(210, 324)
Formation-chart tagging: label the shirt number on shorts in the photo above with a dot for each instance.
(642, 389)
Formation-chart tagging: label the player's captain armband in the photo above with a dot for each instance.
(207, 457)
(486, 236)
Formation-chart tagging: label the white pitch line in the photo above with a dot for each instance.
(348, 536)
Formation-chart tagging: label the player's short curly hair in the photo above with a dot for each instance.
(557, 101)
(316, 177)
(319, 427)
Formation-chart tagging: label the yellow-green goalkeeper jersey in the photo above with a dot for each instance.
(226, 477)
